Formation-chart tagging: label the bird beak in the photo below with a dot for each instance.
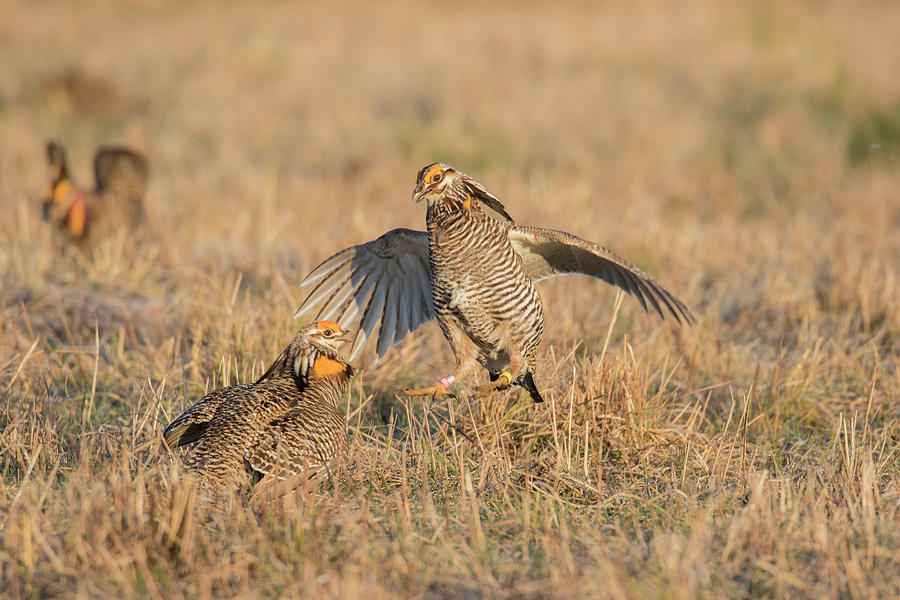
(417, 193)
(344, 336)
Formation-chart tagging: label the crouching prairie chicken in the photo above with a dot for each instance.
(286, 426)
(117, 200)
(474, 269)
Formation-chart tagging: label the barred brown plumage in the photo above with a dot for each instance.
(284, 426)
(117, 200)
(474, 269)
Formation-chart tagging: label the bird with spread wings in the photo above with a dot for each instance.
(474, 270)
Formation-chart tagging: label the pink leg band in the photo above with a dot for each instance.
(447, 381)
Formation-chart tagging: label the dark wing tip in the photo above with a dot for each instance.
(656, 293)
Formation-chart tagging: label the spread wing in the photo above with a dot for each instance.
(387, 281)
(548, 252)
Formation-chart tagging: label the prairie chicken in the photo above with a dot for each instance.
(117, 200)
(474, 269)
(286, 426)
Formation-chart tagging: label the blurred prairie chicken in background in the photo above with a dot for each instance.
(286, 426)
(474, 269)
(117, 200)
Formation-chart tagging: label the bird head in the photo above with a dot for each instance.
(59, 190)
(441, 183)
(326, 337)
(313, 353)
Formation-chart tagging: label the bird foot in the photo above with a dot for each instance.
(435, 391)
(501, 383)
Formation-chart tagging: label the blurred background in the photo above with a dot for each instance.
(746, 154)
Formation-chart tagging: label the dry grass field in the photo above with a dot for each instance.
(747, 156)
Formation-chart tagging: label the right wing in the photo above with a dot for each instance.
(387, 280)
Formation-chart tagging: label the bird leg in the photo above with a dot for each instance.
(465, 364)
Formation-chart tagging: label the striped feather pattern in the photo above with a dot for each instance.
(474, 269)
(283, 426)
(479, 285)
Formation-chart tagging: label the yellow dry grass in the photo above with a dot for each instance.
(746, 155)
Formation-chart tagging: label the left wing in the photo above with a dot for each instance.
(548, 252)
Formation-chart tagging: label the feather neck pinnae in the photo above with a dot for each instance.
(465, 196)
(298, 361)
(451, 207)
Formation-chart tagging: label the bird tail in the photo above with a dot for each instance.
(528, 384)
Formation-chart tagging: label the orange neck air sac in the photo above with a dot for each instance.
(76, 218)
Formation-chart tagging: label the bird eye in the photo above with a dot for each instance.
(328, 333)
(437, 177)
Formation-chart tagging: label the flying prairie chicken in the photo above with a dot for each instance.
(474, 269)
(117, 200)
(286, 426)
